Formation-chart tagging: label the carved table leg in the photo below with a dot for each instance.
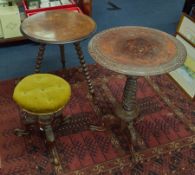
(126, 114)
(128, 110)
(84, 67)
(39, 57)
(62, 54)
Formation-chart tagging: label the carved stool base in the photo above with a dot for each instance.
(44, 123)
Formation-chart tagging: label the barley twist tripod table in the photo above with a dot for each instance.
(59, 27)
(135, 51)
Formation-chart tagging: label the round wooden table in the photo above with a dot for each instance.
(59, 27)
(135, 51)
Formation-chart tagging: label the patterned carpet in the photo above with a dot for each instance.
(166, 127)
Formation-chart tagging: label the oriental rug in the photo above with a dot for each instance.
(166, 127)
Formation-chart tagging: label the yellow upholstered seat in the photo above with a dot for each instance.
(42, 93)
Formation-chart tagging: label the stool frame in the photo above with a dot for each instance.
(44, 122)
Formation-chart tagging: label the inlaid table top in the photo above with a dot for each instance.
(137, 51)
(58, 27)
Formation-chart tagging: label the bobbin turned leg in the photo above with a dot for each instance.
(84, 67)
(62, 56)
(128, 111)
(39, 57)
(126, 114)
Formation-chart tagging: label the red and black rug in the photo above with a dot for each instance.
(167, 130)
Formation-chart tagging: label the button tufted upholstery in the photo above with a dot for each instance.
(42, 93)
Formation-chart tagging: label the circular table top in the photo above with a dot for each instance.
(137, 51)
(58, 27)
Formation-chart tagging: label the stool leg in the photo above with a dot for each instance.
(62, 55)
(39, 57)
(49, 133)
(28, 122)
(84, 67)
(45, 123)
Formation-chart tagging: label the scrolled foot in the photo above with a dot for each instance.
(55, 158)
(134, 137)
(97, 128)
(110, 121)
(20, 132)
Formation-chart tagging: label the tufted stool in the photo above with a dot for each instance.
(41, 98)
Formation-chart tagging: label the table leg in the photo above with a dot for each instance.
(126, 114)
(86, 6)
(84, 67)
(128, 110)
(62, 55)
(39, 57)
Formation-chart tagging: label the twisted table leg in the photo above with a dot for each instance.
(129, 96)
(84, 67)
(128, 110)
(39, 57)
(126, 114)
